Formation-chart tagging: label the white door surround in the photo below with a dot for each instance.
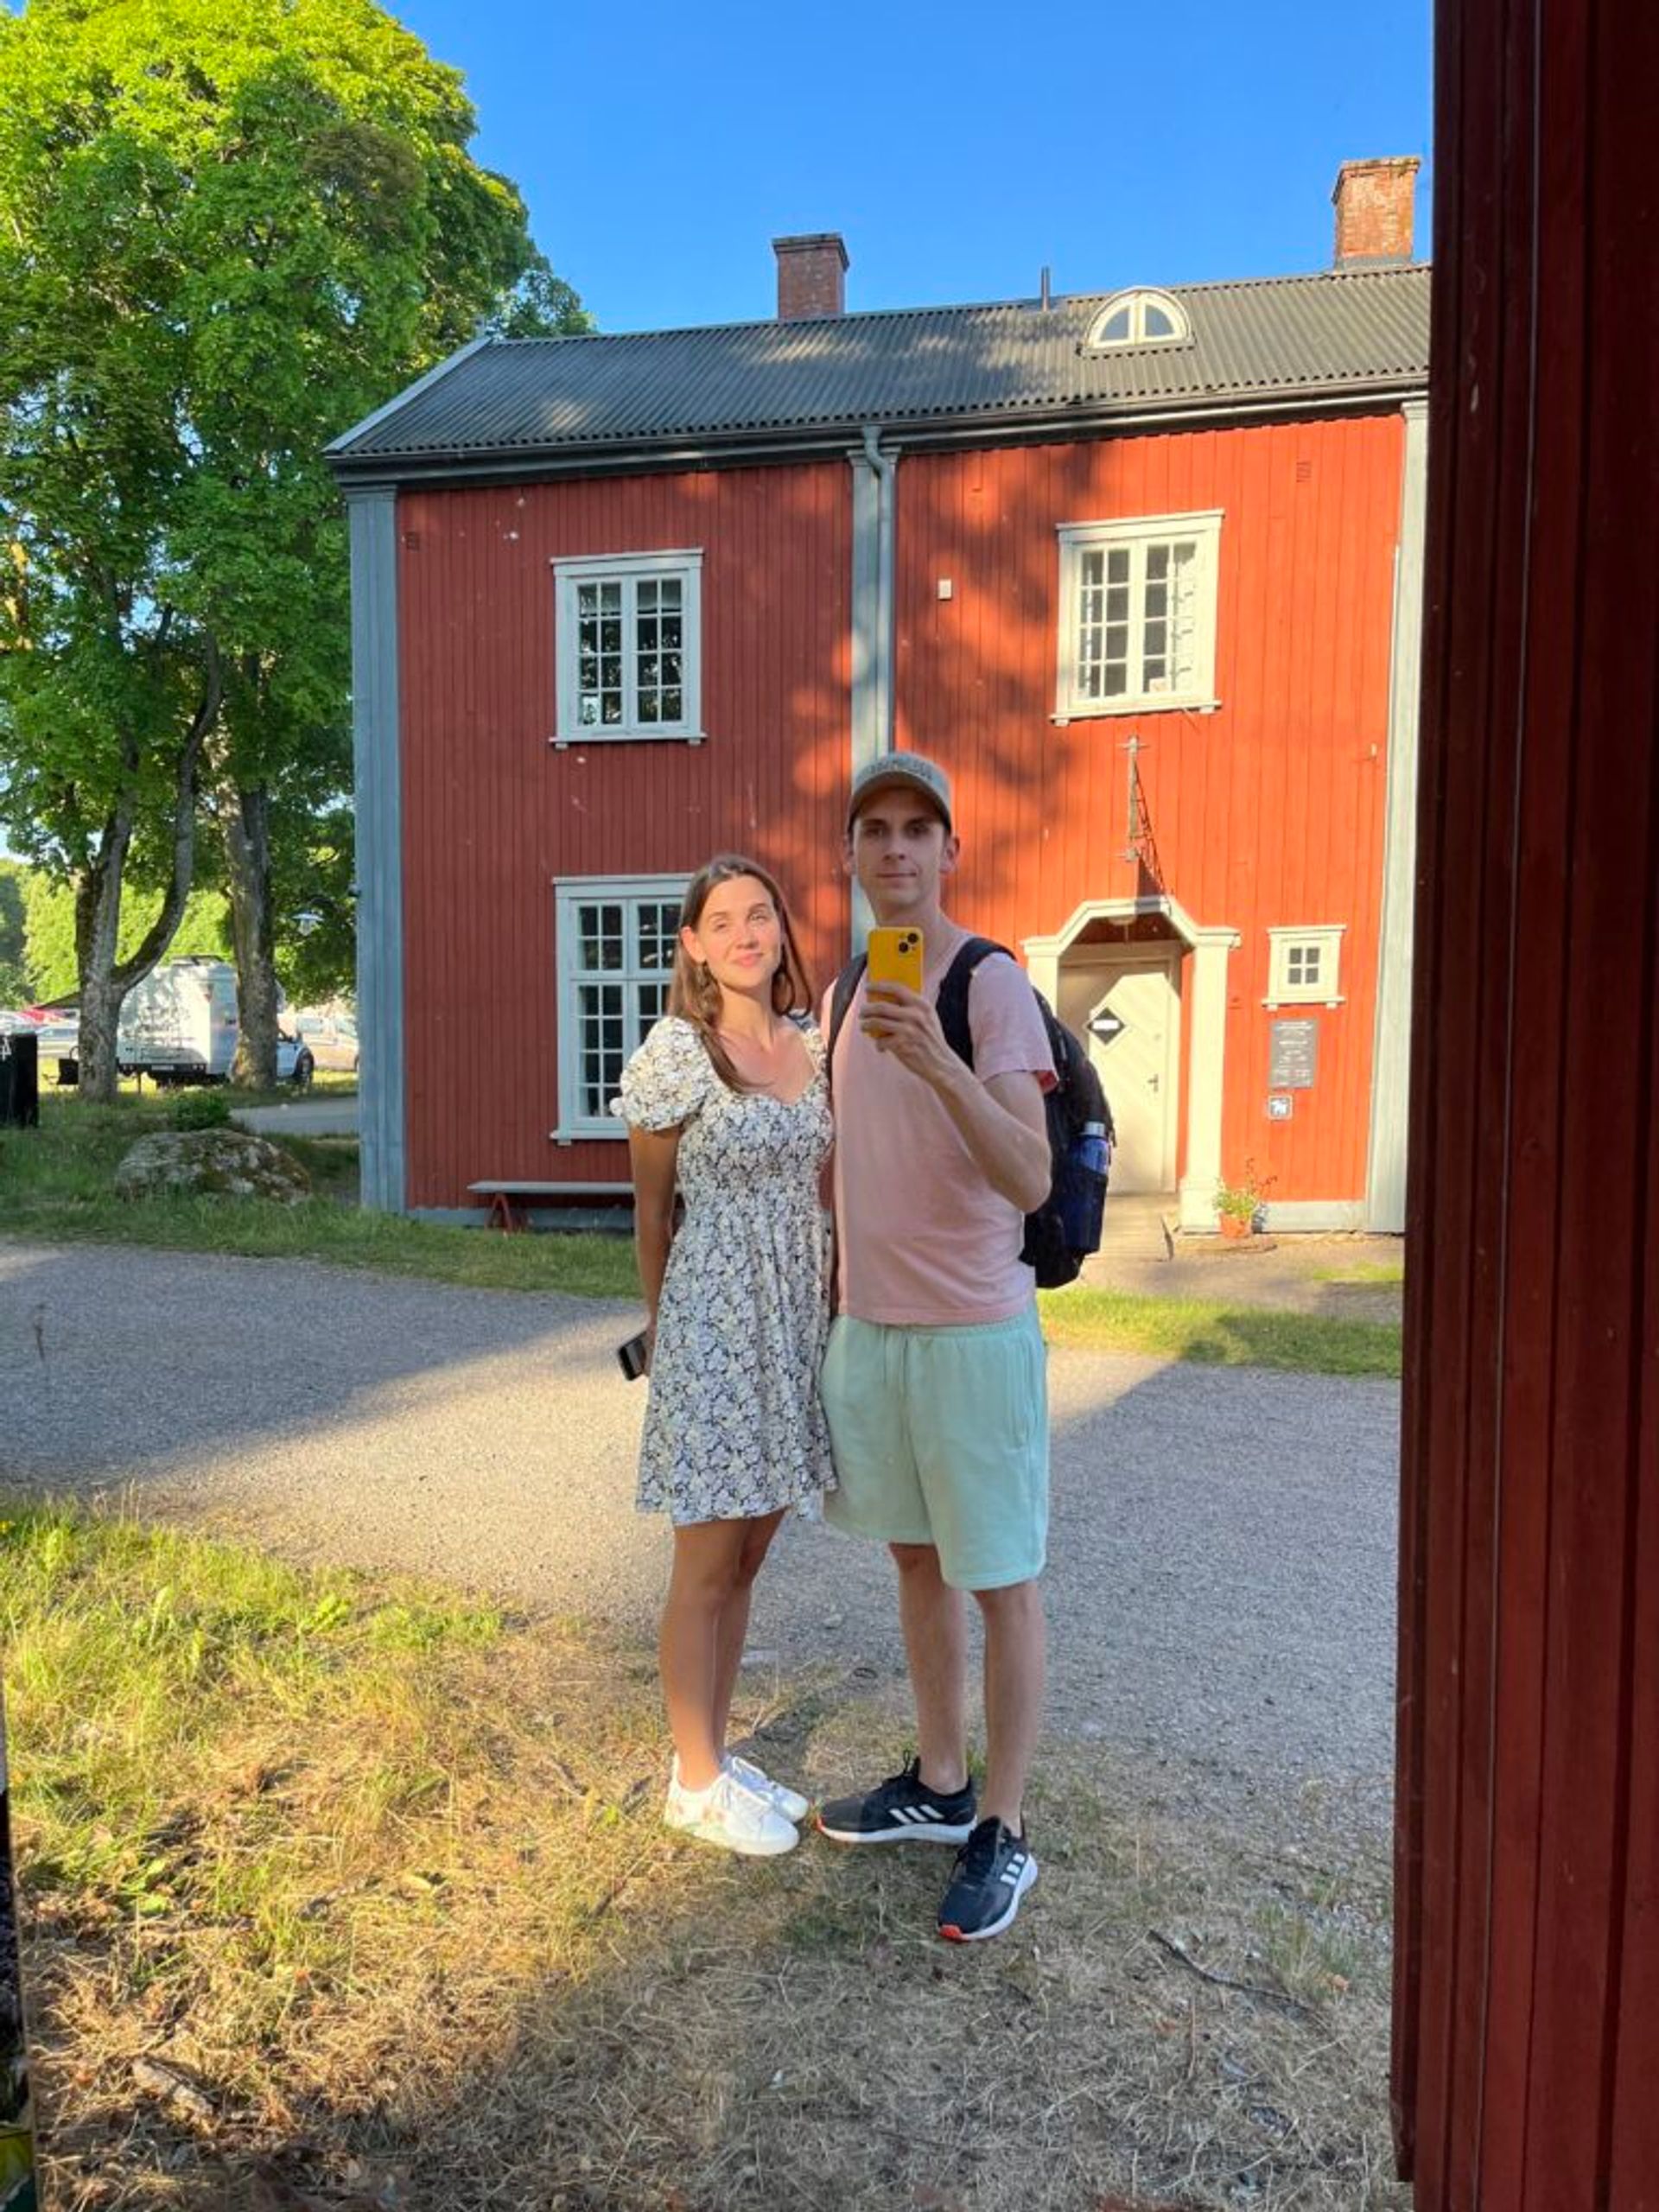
(1204, 1012)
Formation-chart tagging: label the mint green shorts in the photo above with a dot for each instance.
(941, 1437)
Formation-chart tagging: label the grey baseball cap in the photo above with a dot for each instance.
(910, 769)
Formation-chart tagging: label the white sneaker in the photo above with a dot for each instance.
(779, 1794)
(726, 1814)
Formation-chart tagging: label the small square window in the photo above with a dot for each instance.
(1304, 966)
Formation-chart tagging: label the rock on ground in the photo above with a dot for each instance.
(211, 1163)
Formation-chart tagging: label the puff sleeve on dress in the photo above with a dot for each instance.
(666, 1081)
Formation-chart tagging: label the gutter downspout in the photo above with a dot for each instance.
(886, 474)
(874, 536)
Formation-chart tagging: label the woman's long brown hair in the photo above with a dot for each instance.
(695, 996)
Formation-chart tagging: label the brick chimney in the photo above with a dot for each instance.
(812, 276)
(1374, 203)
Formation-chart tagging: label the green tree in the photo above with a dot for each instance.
(315, 901)
(14, 969)
(49, 932)
(227, 229)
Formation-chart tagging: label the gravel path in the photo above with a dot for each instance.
(1222, 1580)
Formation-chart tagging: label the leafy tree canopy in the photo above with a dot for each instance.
(50, 932)
(14, 973)
(228, 228)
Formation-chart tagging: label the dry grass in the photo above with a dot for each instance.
(343, 1896)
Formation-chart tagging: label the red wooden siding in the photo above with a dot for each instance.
(492, 813)
(1269, 811)
(1527, 1991)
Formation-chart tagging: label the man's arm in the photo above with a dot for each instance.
(1001, 1120)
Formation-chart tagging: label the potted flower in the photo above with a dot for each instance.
(1238, 1204)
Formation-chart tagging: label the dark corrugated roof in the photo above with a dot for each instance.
(759, 383)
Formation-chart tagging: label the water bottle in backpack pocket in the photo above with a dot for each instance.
(1080, 1188)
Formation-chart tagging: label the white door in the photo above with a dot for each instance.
(1134, 1039)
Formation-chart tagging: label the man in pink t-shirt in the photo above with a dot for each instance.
(935, 1380)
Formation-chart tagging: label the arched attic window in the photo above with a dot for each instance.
(1141, 318)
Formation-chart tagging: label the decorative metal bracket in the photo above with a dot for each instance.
(1142, 846)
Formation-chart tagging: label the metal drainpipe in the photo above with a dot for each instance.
(885, 467)
(882, 467)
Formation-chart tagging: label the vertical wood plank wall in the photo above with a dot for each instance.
(1526, 2059)
(1268, 811)
(493, 813)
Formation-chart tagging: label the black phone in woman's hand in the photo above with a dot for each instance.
(631, 1357)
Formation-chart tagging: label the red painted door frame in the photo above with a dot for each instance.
(1526, 2062)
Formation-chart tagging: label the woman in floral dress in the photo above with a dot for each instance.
(727, 1103)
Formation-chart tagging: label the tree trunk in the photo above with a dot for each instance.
(245, 827)
(98, 920)
(105, 981)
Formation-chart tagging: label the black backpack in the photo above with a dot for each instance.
(1066, 1229)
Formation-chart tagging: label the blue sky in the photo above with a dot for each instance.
(661, 149)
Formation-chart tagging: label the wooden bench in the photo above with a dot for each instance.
(511, 1203)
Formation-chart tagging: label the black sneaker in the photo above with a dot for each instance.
(995, 1869)
(901, 1810)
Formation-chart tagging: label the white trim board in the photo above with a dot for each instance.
(1312, 1217)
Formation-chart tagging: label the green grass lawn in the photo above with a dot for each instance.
(1364, 1272)
(1214, 1335)
(335, 1888)
(57, 1182)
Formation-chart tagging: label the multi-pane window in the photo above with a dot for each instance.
(1137, 318)
(1138, 614)
(616, 957)
(1304, 965)
(628, 649)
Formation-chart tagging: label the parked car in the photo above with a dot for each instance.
(331, 1033)
(295, 1063)
(57, 1030)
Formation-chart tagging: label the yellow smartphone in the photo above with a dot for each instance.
(895, 956)
(891, 956)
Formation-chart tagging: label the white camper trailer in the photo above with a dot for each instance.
(178, 1022)
(179, 1025)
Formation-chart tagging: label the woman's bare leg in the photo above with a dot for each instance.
(735, 1617)
(690, 1642)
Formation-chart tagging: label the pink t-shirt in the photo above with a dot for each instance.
(922, 1239)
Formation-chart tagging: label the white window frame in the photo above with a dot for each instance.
(1325, 938)
(570, 893)
(683, 565)
(1136, 533)
(1136, 304)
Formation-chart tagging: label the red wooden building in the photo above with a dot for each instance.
(1142, 569)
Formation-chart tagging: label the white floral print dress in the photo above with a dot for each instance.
(733, 1427)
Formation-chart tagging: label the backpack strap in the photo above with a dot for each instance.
(953, 994)
(847, 984)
